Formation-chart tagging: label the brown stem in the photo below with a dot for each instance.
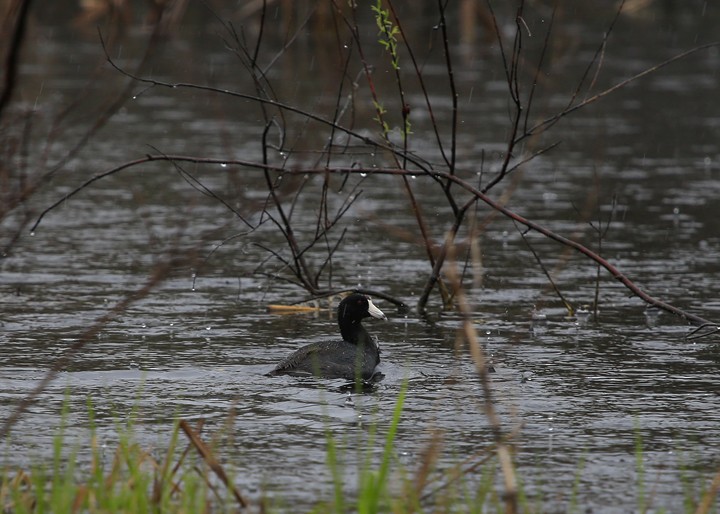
(12, 59)
(437, 267)
(212, 462)
(454, 100)
(302, 271)
(513, 84)
(470, 336)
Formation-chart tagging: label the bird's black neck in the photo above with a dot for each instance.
(354, 333)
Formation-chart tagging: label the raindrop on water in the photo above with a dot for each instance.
(549, 197)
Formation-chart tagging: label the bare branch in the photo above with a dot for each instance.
(543, 125)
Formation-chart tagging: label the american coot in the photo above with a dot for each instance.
(356, 356)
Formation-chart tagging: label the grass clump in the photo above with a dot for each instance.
(129, 480)
(193, 480)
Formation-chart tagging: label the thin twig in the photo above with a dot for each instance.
(280, 105)
(538, 69)
(543, 125)
(454, 102)
(513, 85)
(567, 304)
(423, 87)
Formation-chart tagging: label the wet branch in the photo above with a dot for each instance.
(373, 143)
(546, 123)
(437, 175)
(613, 270)
(387, 31)
(405, 162)
(453, 99)
(300, 266)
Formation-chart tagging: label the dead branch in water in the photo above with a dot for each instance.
(437, 175)
(295, 262)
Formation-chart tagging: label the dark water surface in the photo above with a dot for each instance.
(581, 392)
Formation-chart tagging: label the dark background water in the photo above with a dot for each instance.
(581, 391)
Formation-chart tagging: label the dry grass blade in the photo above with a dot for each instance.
(211, 461)
(427, 462)
(478, 356)
(163, 475)
(710, 496)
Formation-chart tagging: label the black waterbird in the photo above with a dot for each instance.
(356, 356)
